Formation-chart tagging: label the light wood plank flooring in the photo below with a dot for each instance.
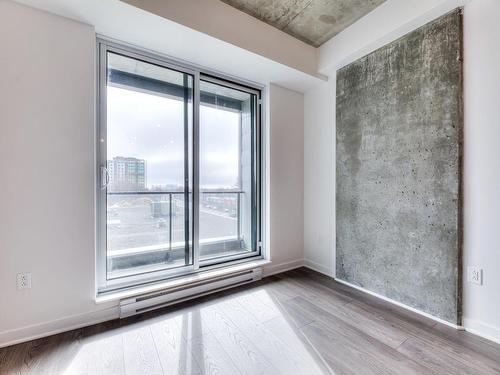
(299, 322)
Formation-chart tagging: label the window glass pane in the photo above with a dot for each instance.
(146, 144)
(148, 137)
(227, 171)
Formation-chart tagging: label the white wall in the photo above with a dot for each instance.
(482, 130)
(481, 164)
(319, 178)
(47, 163)
(47, 100)
(286, 176)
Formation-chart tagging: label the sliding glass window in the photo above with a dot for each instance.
(178, 169)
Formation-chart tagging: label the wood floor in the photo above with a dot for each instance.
(299, 322)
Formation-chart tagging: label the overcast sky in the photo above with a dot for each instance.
(151, 127)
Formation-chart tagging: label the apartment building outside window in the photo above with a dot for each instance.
(126, 174)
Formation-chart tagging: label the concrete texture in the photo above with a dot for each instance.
(312, 21)
(399, 124)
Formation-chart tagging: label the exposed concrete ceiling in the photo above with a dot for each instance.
(312, 21)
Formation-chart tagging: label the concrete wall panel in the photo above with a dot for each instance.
(399, 123)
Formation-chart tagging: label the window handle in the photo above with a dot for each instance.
(104, 178)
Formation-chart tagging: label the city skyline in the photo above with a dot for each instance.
(151, 128)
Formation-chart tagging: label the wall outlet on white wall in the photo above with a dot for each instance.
(475, 275)
(24, 280)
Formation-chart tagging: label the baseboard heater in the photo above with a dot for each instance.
(197, 288)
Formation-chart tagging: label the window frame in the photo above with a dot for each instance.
(105, 285)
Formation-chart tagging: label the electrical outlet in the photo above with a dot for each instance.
(475, 275)
(23, 280)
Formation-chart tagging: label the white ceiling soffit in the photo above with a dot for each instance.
(226, 23)
(118, 20)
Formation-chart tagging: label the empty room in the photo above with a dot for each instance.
(249, 187)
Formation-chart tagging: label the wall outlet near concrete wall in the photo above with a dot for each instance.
(475, 275)
(23, 280)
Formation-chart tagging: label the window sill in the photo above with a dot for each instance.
(180, 281)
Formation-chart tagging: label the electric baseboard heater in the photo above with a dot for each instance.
(197, 288)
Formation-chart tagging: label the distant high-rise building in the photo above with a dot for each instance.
(127, 174)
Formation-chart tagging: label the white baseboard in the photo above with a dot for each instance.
(427, 315)
(69, 323)
(318, 267)
(273, 269)
(36, 331)
(483, 330)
